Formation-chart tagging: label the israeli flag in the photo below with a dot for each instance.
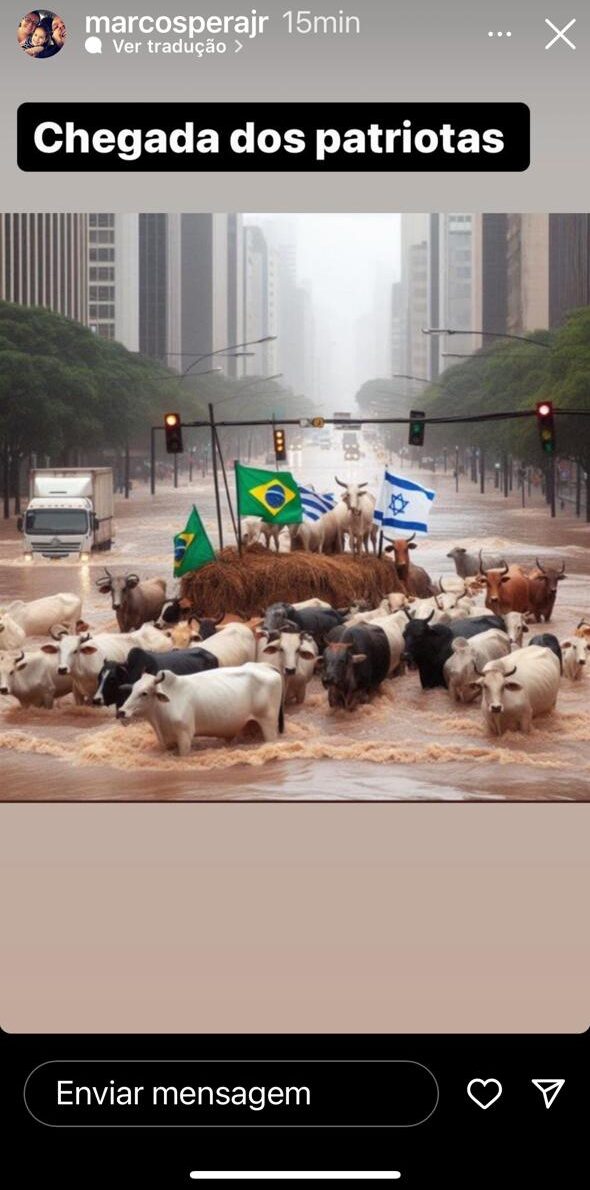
(403, 504)
(314, 504)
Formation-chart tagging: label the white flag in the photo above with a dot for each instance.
(403, 505)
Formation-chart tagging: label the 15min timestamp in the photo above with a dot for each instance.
(305, 23)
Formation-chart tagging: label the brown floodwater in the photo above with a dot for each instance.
(406, 744)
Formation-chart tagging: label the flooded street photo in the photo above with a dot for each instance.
(348, 398)
(407, 743)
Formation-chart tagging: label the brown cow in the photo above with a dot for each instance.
(583, 629)
(415, 580)
(135, 601)
(507, 589)
(543, 589)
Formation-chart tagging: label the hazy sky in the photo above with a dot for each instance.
(350, 262)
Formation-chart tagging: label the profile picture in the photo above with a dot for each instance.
(41, 33)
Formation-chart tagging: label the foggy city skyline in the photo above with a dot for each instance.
(349, 262)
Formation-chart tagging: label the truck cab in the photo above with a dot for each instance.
(58, 529)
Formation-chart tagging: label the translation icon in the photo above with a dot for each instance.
(549, 1088)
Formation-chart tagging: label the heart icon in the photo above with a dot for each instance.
(484, 1091)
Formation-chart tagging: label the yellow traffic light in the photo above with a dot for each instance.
(280, 445)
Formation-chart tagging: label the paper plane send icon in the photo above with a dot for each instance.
(549, 1088)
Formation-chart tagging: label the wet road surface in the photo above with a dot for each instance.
(406, 744)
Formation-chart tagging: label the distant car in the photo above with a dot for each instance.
(352, 453)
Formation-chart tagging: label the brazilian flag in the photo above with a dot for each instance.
(192, 548)
(272, 495)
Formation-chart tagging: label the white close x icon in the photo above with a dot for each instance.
(560, 34)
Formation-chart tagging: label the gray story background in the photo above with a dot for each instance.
(419, 51)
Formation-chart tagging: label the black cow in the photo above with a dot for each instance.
(548, 641)
(318, 622)
(116, 679)
(429, 647)
(354, 664)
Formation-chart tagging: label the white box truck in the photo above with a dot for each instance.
(70, 512)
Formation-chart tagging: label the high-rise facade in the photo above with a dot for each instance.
(530, 270)
(416, 282)
(44, 261)
(113, 277)
(454, 297)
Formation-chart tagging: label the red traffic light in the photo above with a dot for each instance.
(544, 409)
(172, 419)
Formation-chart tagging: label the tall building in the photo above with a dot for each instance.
(44, 261)
(256, 295)
(235, 290)
(203, 277)
(454, 300)
(569, 264)
(159, 300)
(113, 277)
(490, 281)
(529, 270)
(416, 293)
(185, 268)
(396, 340)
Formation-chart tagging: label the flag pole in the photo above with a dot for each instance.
(226, 485)
(215, 475)
(238, 509)
(380, 543)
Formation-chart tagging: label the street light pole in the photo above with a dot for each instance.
(446, 330)
(223, 351)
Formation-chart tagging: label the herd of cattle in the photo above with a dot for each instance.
(191, 676)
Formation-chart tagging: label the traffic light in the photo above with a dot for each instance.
(173, 431)
(318, 423)
(416, 434)
(546, 426)
(280, 445)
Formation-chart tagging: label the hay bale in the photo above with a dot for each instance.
(247, 585)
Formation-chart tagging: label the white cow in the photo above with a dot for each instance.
(388, 605)
(12, 636)
(516, 623)
(318, 604)
(326, 535)
(32, 678)
(516, 626)
(306, 536)
(233, 645)
(293, 654)
(84, 654)
(37, 617)
(469, 657)
(358, 520)
(215, 703)
(575, 652)
(518, 687)
(270, 532)
(251, 529)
